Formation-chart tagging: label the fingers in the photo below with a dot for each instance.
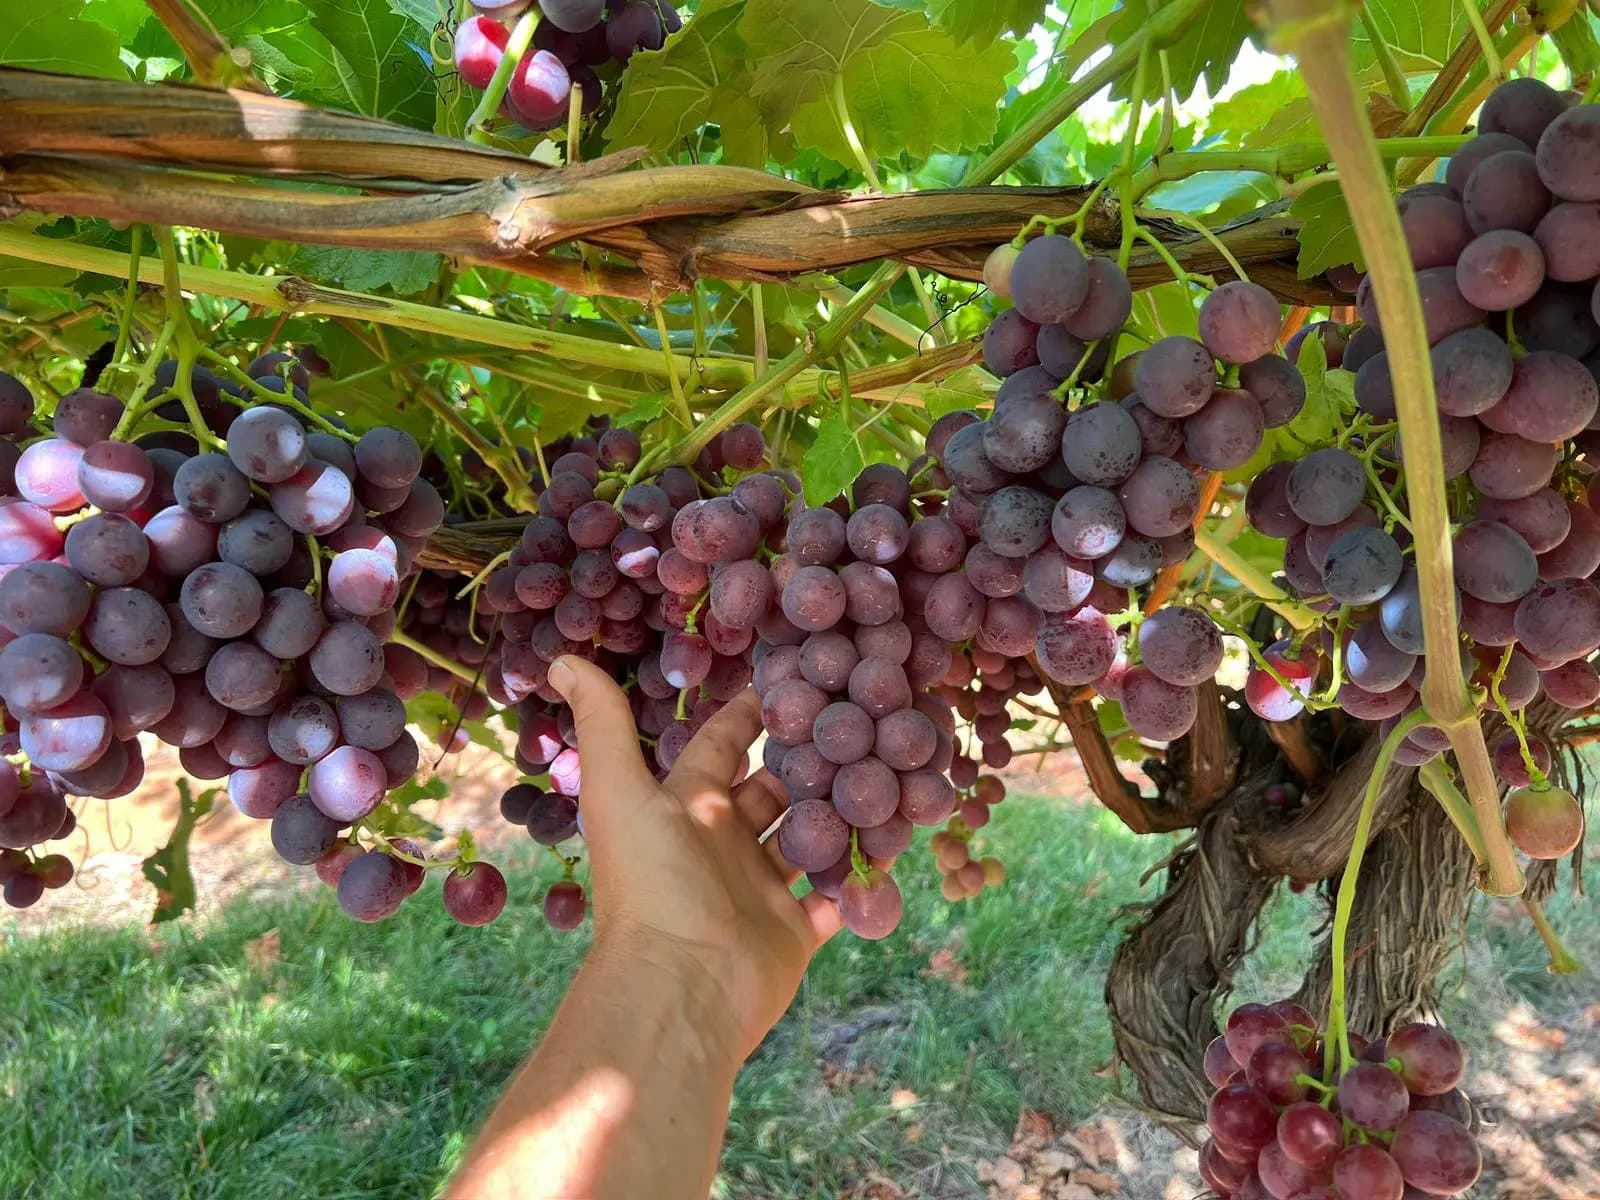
(608, 740)
(823, 915)
(714, 755)
(760, 800)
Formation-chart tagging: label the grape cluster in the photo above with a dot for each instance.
(964, 875)
(1392, 1125)
(578, 44)
(1079, 506)
(234, 602)
(1507, 262)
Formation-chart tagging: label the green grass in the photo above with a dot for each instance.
(144, 1063)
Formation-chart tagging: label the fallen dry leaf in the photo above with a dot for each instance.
(1098, 1180)
(903, 1098)
(263, 952)
(944, 965)
(1006, 1174)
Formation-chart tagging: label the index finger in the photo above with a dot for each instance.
(715, 754)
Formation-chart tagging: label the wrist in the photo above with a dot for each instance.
(672, 988)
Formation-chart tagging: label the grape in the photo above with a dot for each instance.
(1014, 521)
(1054, 581)
(1505, 192)
(221, 600)
(127, 626)
(877, 533)
(1471, 371)
(813, 835)
(1372, 662)
(1374, 388)
(1542, 519)
(1010, 626)
(347, 783)
(1077, 648)
(1326, 486)
(892, 640)
(389, 458)
(1221, 1173)
(475, 894)
(347, 659)
(1431, 1059)
(968, 465)
(1501, 269)
(1024, 433)
(1175, 377)
(1436, 1154)
(1268, 698)
(564, 906)
(905, 740)
(1362, 566)
(241, 676)
(27, 532)
(1544, 823)
(954, 608)
(1009, 345)
(865, 793)
(1367, 1171)
(210, 488)
(741, 593)
(1574, 685)
(1226, 432)
(1101, 444)
(179, 542)
(46, 474)
(42, 597)
(479, 45)
(1509, 467)
(870, 905)
(372, 886)
(1552, 397)
(85, 416)
(879, 687)
(1062, 356)
(1088, 522)
(552, 818)
(935, 544)
(301, 834)
(1493, 562)
(1239, 322)
(1560, 318)
(34, 817)
(789, 709)
(1106, 305)
(241, 742)
(1560, 620)
(1568, 155)
(363, 582)
(115, 476)
(633, 26)
(290, 624)
(1310, 1135)
(1521, 108)
(826, 660)
(16, 405)
(317, 499)
(1435, 229)
(1219, 1065)
(1049, 279)
(1157, 709)
(1266, 503)
(539, 90)
(1277, 386)
(258, 792)
(303, 730)
(842, 733)
(990, 573)
(1577, 555)
(1180, 645)
(1240, 1115)
(69, 737)
(1133, 563)
(1160, 436)
(1373, 1095)
(806, 773)
(267, 445)
(257, 541)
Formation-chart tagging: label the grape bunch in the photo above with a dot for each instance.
(1392, 1124)
(578, 44)
(1084, 504)
(964, 875)
(1506, 261)
(232, 600)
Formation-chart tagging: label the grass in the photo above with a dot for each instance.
(334, 1059)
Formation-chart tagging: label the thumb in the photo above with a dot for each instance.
(608, 740)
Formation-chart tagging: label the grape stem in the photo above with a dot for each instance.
(400, 638)
(1561, 962)
(1344, 904)
(678, 397)
(489, 103)
(1491, 56)
(183, 332)
(1317, 32)
(1394, 79)
(1514, 721)
(131, 296)
(1436, 778)
(1253, 578)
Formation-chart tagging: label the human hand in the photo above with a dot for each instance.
(677, 873)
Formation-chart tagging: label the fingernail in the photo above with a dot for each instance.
(562, 677)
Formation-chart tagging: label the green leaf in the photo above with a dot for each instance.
(168, 867)
(1575, 39)
(667, 94)
(644, 409)
(1327, 235)
(1129, 748)
(56, 37)
(1422, 33)
(351, 54)
(970, 387)
(1109, 714)
(833, 461)
(985, 20)
(1330, 394)
(1223, 194)
(1205, 50)
(123, 17)
(402, 272)
(906, 86)
(1249, 110)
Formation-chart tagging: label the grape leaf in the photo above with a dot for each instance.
(1329, 395)
(906, 86)
(1249, 110)
(667, 94)
(168, 867)
(644, 409)
(970, 387)
(56, 37)
(985, 20)
(123, 17)
(1422, 33)
(833, 461)
(1327, 235)
(402, 272)
(1205, 50)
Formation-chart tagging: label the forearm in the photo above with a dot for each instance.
(627, 1095)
